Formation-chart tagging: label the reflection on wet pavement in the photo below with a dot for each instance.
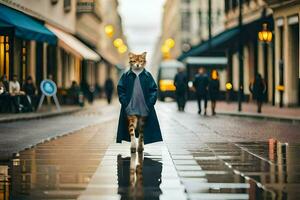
(135, 176)
(88, 166)
(57, 169)
(259, 170)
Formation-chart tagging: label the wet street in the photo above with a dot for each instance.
(201, 158)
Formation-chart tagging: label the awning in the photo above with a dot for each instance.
(226, 38)
(207, 61)
(73, 45)
(25, 27)
(216, 41)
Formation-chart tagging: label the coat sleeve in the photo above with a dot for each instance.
(152, 92)
(122, 91)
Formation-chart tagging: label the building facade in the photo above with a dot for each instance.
(286, 16)
(79, 41)
(90, 27)
(257, 56)
(188, 28)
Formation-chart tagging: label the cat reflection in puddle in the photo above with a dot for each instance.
(136, 175)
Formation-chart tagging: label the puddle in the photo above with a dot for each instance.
(85, 169)
(261, 170)
(139, 178)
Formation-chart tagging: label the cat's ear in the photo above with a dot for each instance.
(130, 55)
(144, 54)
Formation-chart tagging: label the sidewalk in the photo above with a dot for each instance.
(249, 110)
(45, 112)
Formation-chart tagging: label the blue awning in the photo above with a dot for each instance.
(25, 27)
(216, 41)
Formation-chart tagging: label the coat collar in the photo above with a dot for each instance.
(143, 72)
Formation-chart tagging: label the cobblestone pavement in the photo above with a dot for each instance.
(200, 158)
(18, 135)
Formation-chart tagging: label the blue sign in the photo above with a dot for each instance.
(48, 87)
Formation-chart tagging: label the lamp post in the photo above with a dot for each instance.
(265, 36)
(241, 55)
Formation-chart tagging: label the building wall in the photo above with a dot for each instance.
(46, 11)
(252, 11)
(282, 14)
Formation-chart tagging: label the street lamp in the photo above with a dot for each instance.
(118, 42)
(109, 30)
(265, 35)
(122, 49)
(166, 47)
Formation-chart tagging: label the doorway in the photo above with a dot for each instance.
(294, 61)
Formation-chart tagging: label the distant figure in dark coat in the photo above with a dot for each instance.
(74, 91)
(30, 92)
(201, 85)
(181, 84)
(214, 88)
(258, 89)
(109, 89)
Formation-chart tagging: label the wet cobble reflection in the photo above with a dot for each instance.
(139, 177)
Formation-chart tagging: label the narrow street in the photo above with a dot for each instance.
(201, 158)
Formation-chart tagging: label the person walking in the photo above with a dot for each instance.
(181, 84)
(109, 89)
(214, 88)
(201, 85)
(258, 90)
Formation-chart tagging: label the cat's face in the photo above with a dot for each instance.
(137, 61)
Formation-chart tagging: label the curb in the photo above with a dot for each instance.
(293, 120)
(40, 116)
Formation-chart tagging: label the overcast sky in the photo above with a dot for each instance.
(142, 23)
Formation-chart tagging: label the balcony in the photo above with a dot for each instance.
(89, 6)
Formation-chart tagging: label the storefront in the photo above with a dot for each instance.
(75, 61)
(17, 31)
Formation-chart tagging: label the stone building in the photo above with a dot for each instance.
(287, 59)
(189, 27)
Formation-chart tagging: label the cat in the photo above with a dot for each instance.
(137, 93)
(137, 116)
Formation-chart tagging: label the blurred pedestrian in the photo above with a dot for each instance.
(201, 85)
(214, 88)
(181, 84)
(109, 89)
(30, 92)
(258, 90)
(74, 91)
(5, 83)
(4, 95)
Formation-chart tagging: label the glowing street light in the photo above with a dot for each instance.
(165, 49)
(109, 30)
(122, 49)
(228, 86)
(170, 43)
(118, 42)
(265, 35)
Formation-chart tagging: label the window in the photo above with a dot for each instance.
(67, 5)
(227, 6)
(54, 2)
(185, 21)
(23, 64)
(186, 1)
(234, 4)
(4, 55)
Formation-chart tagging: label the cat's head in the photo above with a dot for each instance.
(137, 61)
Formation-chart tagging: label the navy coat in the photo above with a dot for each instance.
(152, 131)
